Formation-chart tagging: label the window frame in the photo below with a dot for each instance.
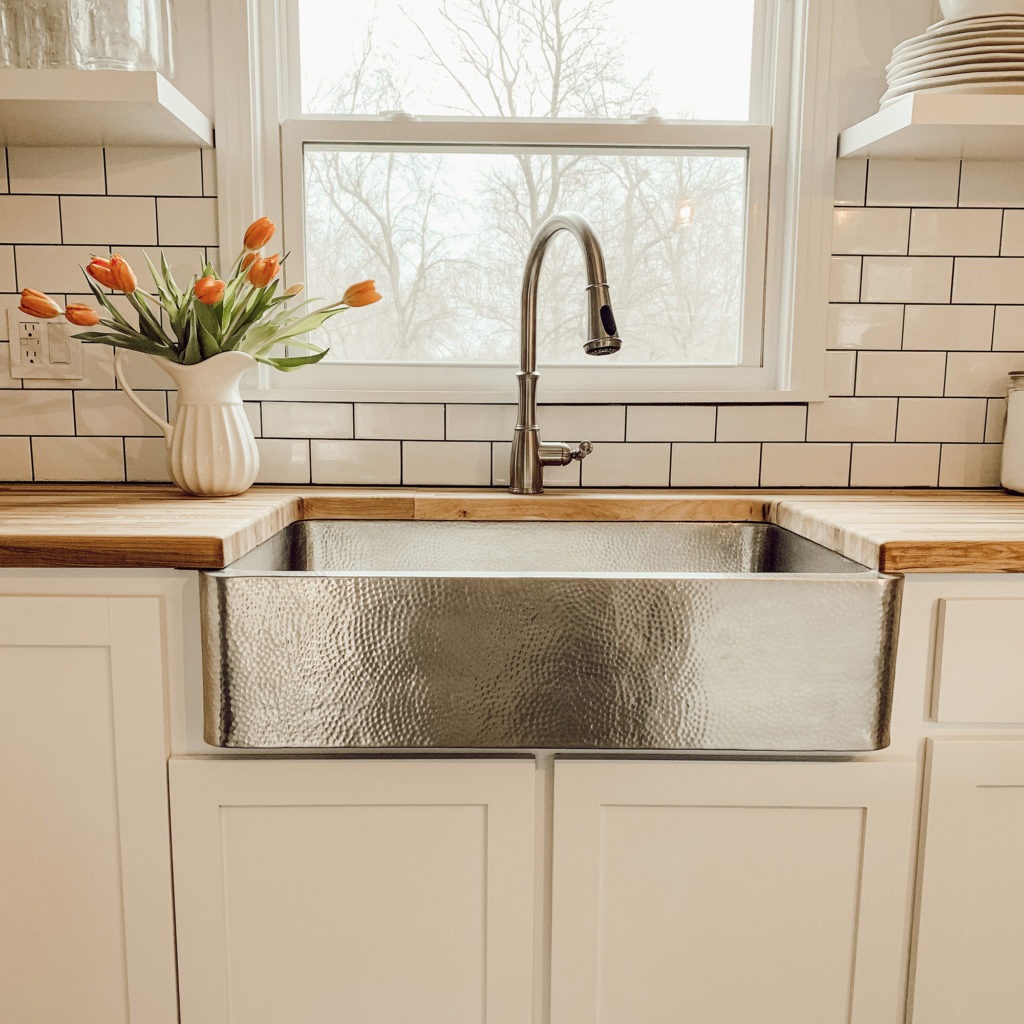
(791, 161)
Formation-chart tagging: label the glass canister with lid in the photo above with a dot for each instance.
(1012, 474)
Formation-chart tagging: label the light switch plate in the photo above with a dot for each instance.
(40, 349)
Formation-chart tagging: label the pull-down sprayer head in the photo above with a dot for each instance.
(602, 335)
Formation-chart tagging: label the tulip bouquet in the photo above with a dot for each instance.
(244, 312)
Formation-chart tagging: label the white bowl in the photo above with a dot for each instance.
(953, 10)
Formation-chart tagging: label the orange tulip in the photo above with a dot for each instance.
(99, 270)
(294, 290)
(361, 294)
(258, 233)
(38, 304)
(209, 291)
(121, 274)
(263, 271)
(248, 260)
(82, 315)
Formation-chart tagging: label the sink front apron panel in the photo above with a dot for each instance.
(317, 641)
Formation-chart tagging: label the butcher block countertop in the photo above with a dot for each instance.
(125, 526)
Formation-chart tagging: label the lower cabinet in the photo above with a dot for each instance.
(970, 926)
(384, 892)
(370, 892)
(86, 916)
(725, 893)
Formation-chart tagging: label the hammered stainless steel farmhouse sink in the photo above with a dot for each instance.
(625, 636)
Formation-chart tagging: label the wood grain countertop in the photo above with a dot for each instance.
(125, 526)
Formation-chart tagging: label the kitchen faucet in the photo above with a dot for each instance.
(529, 454)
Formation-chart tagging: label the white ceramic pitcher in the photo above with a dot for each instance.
(210, 447)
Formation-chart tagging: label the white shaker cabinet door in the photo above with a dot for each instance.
(363, 891)
(970, 926)
(727, 893)
(86, 918)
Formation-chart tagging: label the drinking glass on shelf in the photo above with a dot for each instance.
(10, 33)
(42, 33)
(124, 35)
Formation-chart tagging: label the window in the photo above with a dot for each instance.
(423, 144)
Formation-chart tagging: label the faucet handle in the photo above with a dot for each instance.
(583, 451)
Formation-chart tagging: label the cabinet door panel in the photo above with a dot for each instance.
(730, 892)
(970, 927)
(86, 926)
(377, 892)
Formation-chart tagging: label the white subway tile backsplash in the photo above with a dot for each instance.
(1009, 330)
(900, 373)
(900, 245)
(995, 421)
(154, 171)
(1013, 233)
(356, 462)
(7, 281)
(33, 219)
(997, 183)
(761, 423)
(913, 182)
(36, 412)
(283, 461)
(970, 465)
(186, 221)
(56, 170)
(998, 279)
(145, 460)
(844, 279)
(6, 380)
(209, 172)
(307, 419)
(120, 221)
(573, 423)
(670, 423)
(480, 422)
(715, 465)
(870, 230)
(446, 463)
(399, 421)
(941, 419)
(805, 465)
(840, 371)
(851, 182)
(85, 459)
(15, 458)
(981, 374)
(894, 465)
(948, 327)
(907, 278)
(955, 232)
(54, 268)
(859, 325)
(110, 412)
(627, 465)
(852, 419)
(3, 173)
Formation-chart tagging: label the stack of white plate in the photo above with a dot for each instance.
(980, 54)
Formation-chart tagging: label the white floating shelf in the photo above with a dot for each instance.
(68, 107)
(934, 125)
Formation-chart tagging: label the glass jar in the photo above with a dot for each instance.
(121, 35)
(41, 33)
(1012, 474)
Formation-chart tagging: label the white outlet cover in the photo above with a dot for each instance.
(11, 316)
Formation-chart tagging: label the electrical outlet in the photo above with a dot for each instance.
(40, 349)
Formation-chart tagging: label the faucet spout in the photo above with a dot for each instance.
(529, 454)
